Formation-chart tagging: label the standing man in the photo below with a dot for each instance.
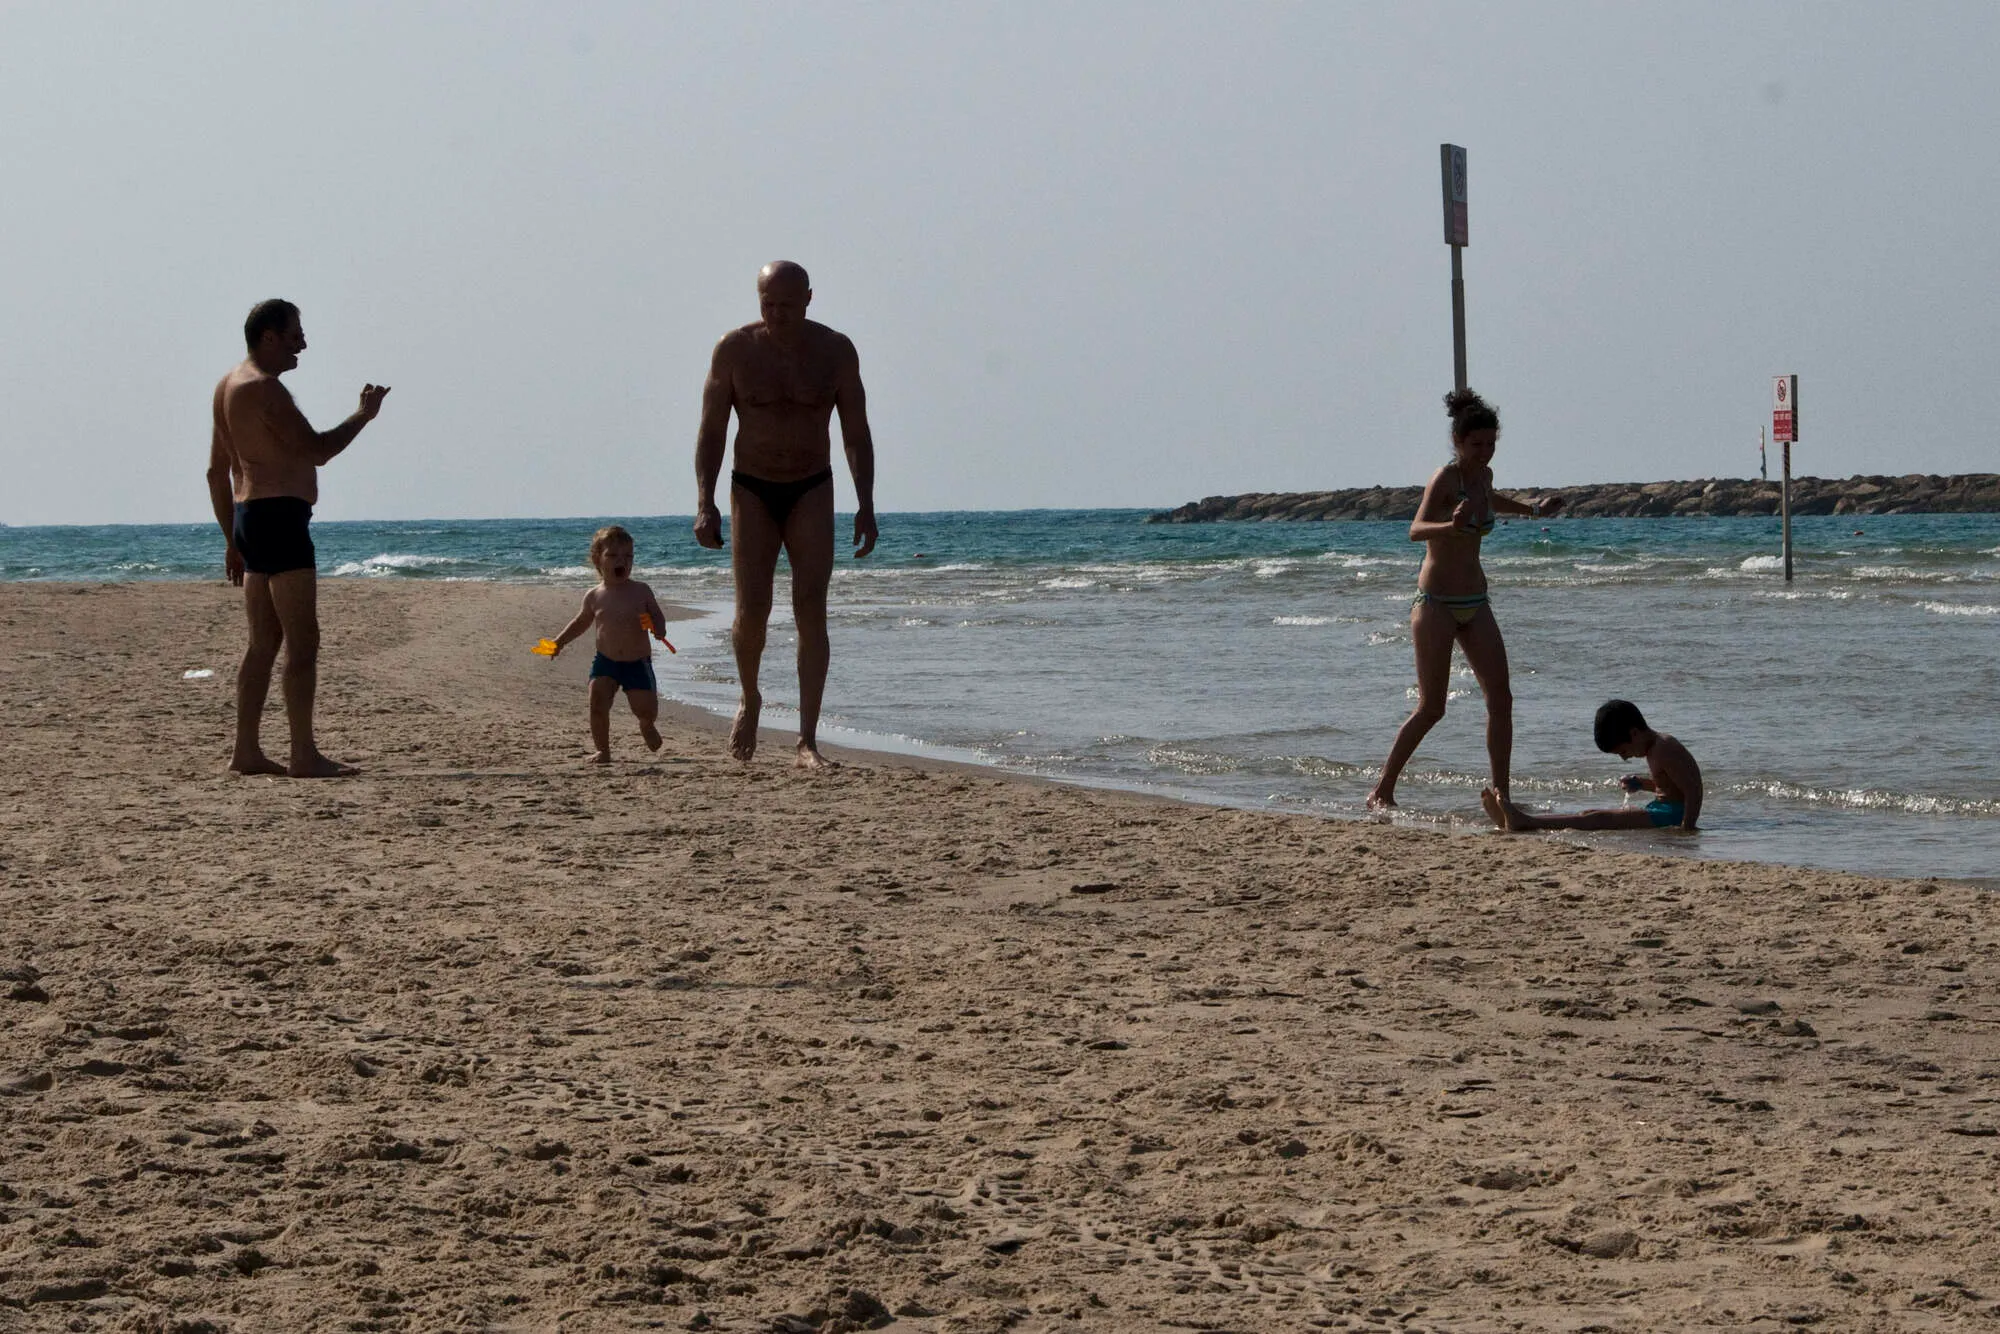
(784, 376)
(263, 478)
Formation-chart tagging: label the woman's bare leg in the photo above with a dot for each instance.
(1431, 632)
(1486, 653)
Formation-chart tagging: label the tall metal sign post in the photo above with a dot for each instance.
(1452, 158)
(1785, 429)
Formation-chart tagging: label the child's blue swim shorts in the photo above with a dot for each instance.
(635, 675)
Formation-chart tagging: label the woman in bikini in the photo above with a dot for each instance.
(1457, 511)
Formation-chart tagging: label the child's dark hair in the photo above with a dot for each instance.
(1469, 413)
(1615, 722)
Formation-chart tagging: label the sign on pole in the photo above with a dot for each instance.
(1785, 429)
(1785, 408)
(1452, 158)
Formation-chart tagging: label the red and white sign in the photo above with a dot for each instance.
(1785, 408)
(1452, 159)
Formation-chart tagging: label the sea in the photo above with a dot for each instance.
(1847, 719)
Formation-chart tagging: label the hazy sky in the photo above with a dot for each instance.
(1092, 253)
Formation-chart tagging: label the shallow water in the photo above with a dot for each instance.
(1846, 720)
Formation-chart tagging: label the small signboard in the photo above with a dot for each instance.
(1785, 409)
(1452, 158)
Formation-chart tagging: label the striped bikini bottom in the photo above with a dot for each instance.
(1462, 606)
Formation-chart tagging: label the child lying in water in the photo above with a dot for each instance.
(1671, 774)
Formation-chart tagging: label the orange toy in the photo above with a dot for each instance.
(646, 624)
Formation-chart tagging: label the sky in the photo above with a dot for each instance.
(1092, 253)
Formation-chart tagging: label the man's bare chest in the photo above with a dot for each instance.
(772, 379)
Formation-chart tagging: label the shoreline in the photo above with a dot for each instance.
(489, 1038)
(862, 746)
(861, 743)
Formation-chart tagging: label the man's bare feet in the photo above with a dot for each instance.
(598, 756)
(1496, 810)
(260, 763)
(651, 734)
(317, 765)
(810, 758)
(743, 732)
(1379, 800)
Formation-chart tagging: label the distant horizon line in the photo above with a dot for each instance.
(1019, 509)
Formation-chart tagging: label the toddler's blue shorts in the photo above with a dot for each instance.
(635, 675)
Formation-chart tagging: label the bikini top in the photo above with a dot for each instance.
(1485, 523)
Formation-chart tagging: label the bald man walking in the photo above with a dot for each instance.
(784, 377)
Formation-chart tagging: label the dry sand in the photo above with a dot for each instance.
(488, 1040)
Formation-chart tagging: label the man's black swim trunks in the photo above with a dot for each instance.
(272, 534)
(778, 498)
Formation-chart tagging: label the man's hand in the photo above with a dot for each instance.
(371, 400)
(232, 563)
(864, 532)
(708, 526)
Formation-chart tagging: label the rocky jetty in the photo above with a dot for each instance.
(1913, 493)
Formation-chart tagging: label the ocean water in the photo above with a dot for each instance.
(1850, 719)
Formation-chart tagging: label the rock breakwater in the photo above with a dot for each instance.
(1912, 493)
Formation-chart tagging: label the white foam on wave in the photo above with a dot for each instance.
(413, 562)
(1523, 560)
(1348, 560)
(1154, 572)
(961, 565)
(1760, 563)
(1960, 608)
(1068, 581)
(1885, 572)
(1302, 620)
(1191, 761)
(390, 562)
(1268, 569)
(571, 572)
(1871, 799)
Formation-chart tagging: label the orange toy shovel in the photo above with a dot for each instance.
(646, 624)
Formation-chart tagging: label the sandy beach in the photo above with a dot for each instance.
(486, 1039)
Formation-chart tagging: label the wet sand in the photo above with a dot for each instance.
(489, 1039)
